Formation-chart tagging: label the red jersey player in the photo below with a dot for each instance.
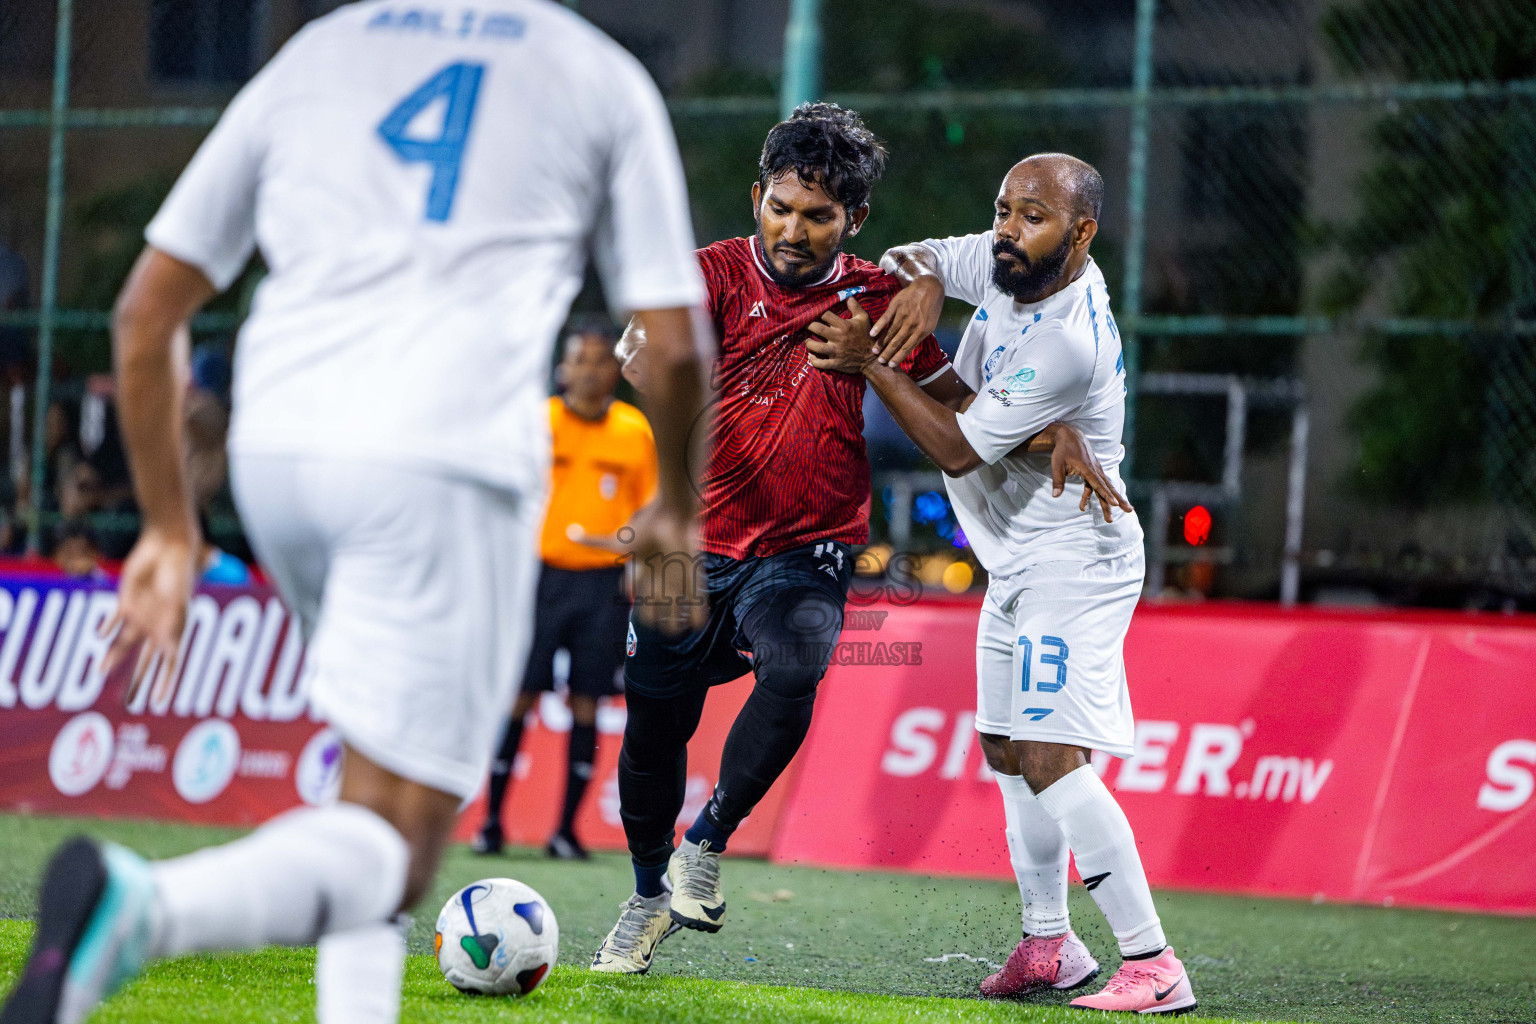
(786, 466)
(786, 492)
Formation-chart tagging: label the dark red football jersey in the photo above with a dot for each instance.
(787, 465)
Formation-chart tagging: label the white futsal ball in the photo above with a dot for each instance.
(496, 937)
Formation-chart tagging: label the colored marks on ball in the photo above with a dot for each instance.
(533, 913)
(529, 980)
(1197, 525)
(469, 909)
(480, 948)
(437, 943)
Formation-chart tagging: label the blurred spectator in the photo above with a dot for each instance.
(79, 491)
(61, 431)
(75, 550)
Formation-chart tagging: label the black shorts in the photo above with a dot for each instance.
(662, 666)
(583, 611)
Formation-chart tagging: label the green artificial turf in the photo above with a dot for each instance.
(820, 945)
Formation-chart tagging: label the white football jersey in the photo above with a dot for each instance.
(1031, 364)
(424, 184)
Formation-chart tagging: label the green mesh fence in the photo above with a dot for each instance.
(1327, 207)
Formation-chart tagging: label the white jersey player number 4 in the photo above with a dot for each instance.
(459, 85)
(389, 401)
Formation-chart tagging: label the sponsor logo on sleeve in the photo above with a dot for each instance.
(1014, 386)
(990, 366)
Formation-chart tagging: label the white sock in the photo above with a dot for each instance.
(1038, 850)
(358, 973)
(1105, 849)
(301, 875)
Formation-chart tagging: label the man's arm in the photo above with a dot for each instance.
(647, 259)
(948, 390)
(161, 294)
(933, 423)
(933, 427)
(660, 355)
(673, 398)
(914, 311)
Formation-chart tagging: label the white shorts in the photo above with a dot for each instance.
(416, 592)
(1050, 665)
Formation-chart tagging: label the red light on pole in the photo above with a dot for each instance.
(1197, 525)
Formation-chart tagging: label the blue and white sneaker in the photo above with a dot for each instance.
(94, 920)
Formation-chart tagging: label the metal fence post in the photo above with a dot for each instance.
(52, 228)
(1136, 216)
(1295, 505)
(802, 56)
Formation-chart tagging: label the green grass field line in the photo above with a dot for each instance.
(275, 985)
(852, 934)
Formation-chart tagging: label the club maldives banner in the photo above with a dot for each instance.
(231, 739)
(1375, 758)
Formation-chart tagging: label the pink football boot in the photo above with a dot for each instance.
(1061, 962)
(1158, 985)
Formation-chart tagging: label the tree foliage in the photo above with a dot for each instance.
(1445, 229)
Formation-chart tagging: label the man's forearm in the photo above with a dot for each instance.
(1042, 443)
(907, 263)
(673, 396)
(160, 295)
(932, 426)
(149, 399)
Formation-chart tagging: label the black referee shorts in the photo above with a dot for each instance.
(583, 611)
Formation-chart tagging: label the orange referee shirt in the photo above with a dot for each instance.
(603, 471)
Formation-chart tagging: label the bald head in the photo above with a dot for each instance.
(1046, 215)
(1073, 180)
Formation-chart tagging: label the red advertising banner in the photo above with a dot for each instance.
(1346, 756)
(230, 740)
(1376, 758)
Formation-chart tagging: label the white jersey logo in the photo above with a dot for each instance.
(757, 309)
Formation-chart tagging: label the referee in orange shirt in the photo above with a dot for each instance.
(604, 469)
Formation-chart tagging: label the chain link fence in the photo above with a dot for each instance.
(1320, 234)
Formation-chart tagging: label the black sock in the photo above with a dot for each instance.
(1146, 956)
(501, 771)
(578, 772)
(648, 879)
(704, 829)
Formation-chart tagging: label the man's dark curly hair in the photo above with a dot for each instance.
(828, 146)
